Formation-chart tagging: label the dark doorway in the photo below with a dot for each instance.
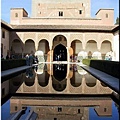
(60, 53)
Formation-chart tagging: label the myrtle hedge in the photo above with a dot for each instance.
(12, 63)
(109, 67)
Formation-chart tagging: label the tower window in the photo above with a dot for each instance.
(59, 109)
(16, 14)
(105, 109)
(60, 13)
(106, 15)
(78, 110)
(80, 11)
(15, 108)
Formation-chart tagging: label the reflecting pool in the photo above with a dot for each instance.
(57, 92)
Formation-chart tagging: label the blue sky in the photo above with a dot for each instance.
(26, 4)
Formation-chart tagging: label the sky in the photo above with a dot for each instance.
(6, 5)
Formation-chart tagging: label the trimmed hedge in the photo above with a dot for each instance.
(86, 61)
(109, 67)
(12, 63)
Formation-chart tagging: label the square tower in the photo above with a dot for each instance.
(61, 8)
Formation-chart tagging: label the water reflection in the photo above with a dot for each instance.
(59, 71)
(68, 84)
(65, 109)
(29, 77)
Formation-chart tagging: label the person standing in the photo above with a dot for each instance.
(30, 60)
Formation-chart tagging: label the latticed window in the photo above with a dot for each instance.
(60, 13)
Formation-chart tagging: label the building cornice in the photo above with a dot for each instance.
(59, 28)
(63, 28)
(5, 25)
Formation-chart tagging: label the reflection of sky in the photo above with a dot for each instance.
(94, 116)
(5, 110)
(25, 115)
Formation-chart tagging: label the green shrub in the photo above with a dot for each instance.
(86, 61)
(109, 67)
(12, 63)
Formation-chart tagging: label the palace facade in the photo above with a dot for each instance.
(60, 29)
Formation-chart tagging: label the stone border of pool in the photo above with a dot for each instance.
(107, 79)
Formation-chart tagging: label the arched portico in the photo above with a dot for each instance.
(59, 48)
(16, 48)
(60, 53)
(105, 48)
(29, 46)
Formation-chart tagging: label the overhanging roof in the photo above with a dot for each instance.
(64, 27)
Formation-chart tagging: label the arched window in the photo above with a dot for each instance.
(106, 15)
(16, 14)
(60, 13)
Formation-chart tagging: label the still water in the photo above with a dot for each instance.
(58, 92)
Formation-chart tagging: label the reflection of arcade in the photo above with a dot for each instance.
(59, 71)
(59, 76)
(29, 73)
(29, 77)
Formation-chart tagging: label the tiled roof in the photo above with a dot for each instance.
(63, 27)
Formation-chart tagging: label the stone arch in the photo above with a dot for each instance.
(16, 48)
(91, 47)
(59, 85)
(43, 46)
(90, 80)
(76, 79)
(106, 47)
(59, 39)
(76, 45)
(29, 46)
(43, 79)
(29, 77)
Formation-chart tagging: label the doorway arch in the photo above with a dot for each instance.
(60, 53)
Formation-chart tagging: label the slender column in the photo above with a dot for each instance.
(50, 46)
(36, 83)
(83, 84)
(68, 54)
(68, 85)
(84, 42)
(50, 84)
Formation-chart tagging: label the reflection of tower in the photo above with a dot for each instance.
(63, 109)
